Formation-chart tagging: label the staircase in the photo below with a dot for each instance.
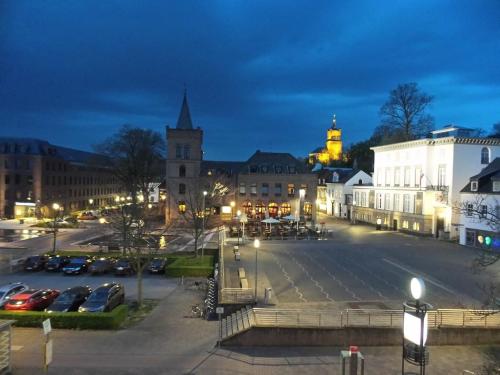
(238, 322)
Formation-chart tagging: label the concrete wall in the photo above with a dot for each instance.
(363, 336)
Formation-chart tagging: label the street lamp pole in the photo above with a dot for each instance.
(238, 214)
(203, 226)
(56, 208)
(256, 244)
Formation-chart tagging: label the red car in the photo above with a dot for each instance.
(32, 299)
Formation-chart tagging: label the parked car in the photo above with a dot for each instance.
(87, 216)
(157, 265)
(123, 267)
(70, 299)
(7, 291)
(101, 265)
(56, 263)
(32, 299)
(35, 263)
(105, 298)
(76, 266)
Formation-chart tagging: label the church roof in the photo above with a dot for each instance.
(184, 120)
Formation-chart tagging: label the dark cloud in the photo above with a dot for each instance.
(265, 75)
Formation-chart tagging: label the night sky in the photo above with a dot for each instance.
(262, 75)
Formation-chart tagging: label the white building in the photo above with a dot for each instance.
(339, 192)
(417, 183)
(480, 209)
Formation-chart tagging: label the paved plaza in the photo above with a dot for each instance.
(360, 267)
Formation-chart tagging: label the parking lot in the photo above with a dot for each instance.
(154, 286)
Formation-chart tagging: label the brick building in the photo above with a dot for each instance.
(34, 174)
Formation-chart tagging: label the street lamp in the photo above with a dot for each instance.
(203, 225)
(238, 215)
(56, 207)
(91, 202)
(302, 194)
(256, 245)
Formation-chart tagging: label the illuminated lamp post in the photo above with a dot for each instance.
(415, 328)
(203, 225)
(379, 223)
(256, 245)
(238, 215)
(56, 207)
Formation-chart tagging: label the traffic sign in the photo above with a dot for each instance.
(47, 327)
(219, 310)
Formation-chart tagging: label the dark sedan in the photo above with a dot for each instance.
(56, 263)
(157, 265)
(70, 299)
(123, 267)
(32, 299)
(76, 266)
(35, 263)
(101, 265)
(104, 298)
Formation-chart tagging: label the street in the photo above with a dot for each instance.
(360, 266)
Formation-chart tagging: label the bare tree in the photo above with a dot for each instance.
(404, 114)
(197, 213)
(136, 158)
(484, 209)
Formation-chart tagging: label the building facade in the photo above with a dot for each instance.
(480, 209)
(333, 146)
(417, 183)
(34, 174)
(339, 196)
(268, 184)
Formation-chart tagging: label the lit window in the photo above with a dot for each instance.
(264, 189)
(182, 207)
(291, 190)
(242, 188)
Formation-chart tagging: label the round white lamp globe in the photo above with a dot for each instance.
(417, 287)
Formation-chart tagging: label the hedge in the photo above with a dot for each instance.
(190, 266)
(76, 320)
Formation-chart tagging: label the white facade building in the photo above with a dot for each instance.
(339, 192)
(417, 183)
(480, 209)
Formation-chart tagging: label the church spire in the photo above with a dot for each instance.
(184, 120)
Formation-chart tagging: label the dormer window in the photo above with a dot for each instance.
(254, 169)
(291, 169)
(278, 169)
(473, 185)
(264, 168)
(335, 177)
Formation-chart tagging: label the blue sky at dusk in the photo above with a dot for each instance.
(259, 74)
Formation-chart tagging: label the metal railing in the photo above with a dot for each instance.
(373, 318)
(237, 295)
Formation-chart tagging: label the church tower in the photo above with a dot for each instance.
(334, 141)
(184, 156)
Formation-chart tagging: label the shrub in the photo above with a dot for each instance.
(76, 320)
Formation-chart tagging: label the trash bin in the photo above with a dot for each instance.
(268, 295)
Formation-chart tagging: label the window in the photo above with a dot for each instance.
(264, 168)
(405, 224)
(406, 202)
(470, 209)
(496, 186)
(407, 176)
(277, 189)
(473, 185)
(356, 198)
(291, 169)
(254, 169)
(264, 190)
(7, 179)
(178, 151)
(6, 164)
(17, 179)
(273, 209)
(442, 176)
(396, 202)
(291, 190)
(379, 177)
(379, 201)
(396, 176)
(187, 152)
(418, 176)
(182, 171)
(304, 187)
(388, 176)
(29, 180)
(253, 189)
(182, 188)
(416, 226)
(247, 208)
(242, 188)
(484, 211)
(485, 155)
(419, 198)
(182, 207)
(286, 208)
(363, 199)
(307, 208)
(387, 203)
(278, 169)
